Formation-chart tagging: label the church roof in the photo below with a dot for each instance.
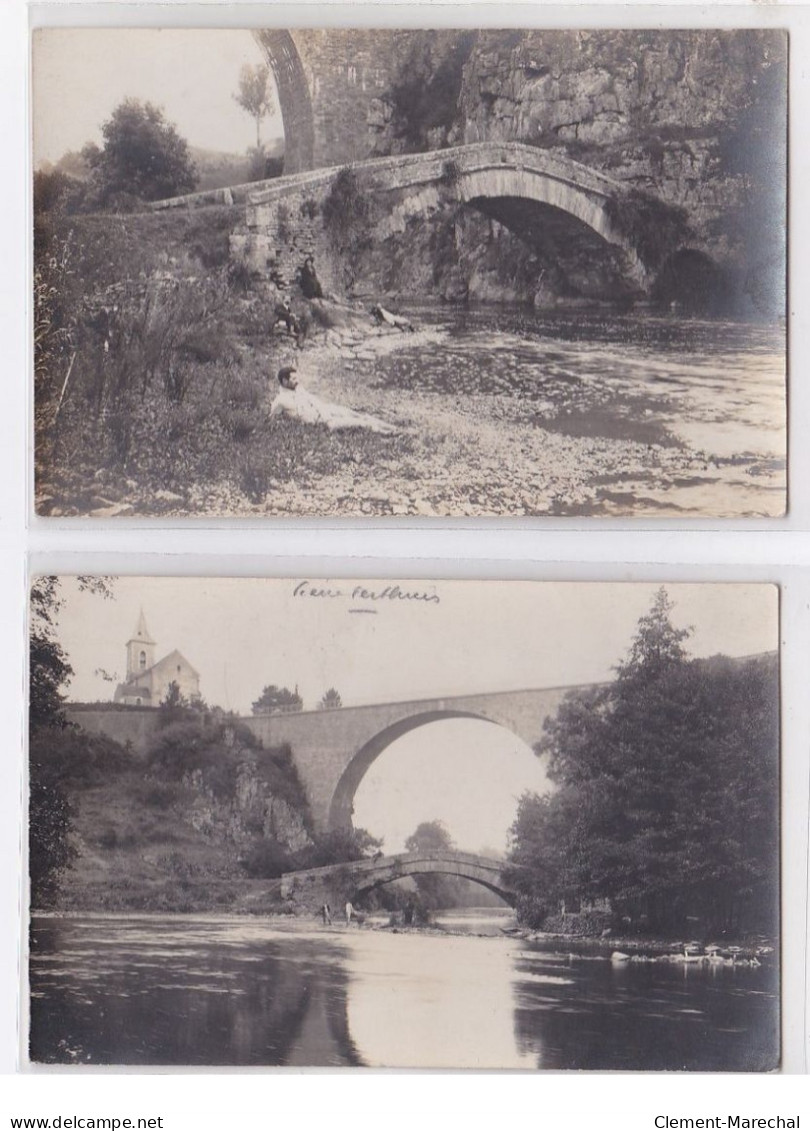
(141, 634)
(173, 656)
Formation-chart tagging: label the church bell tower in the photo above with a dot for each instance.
(140, 650)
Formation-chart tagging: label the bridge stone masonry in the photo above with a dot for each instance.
(528, 190)
(333, 750)
(337, 883)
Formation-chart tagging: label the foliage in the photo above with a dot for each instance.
(433, 890)
(341, 846)
(346, 209)
(214, 747)
(667, 787)
(176, 708)
(267, 859)
(429, 836)
(330, 700)
(283, 229)
(451, 173)
(50, 852)
(154, 377)
(654, 228)
(255, 94)
(58, 754)
(143, 158)
(277, 700)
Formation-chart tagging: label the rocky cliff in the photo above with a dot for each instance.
(203, 822)
(695, 118)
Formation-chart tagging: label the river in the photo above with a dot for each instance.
(503, 410)
(221, 990)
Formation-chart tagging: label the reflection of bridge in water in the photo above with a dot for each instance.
(353, 880)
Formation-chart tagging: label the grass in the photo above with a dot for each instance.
(157, 376)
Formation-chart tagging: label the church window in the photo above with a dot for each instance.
(142, 660)
(138, 702)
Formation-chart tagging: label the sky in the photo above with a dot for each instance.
(242, 634)
(452, 638)
(82, 74)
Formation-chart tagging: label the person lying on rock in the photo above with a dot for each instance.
(384, 317)
(294, 400)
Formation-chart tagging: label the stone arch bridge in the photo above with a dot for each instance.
(353, 880)
(537, 195)
(332, 750)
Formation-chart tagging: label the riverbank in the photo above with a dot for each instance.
(497, 412)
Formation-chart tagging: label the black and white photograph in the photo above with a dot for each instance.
(404, 824)
(396, 274)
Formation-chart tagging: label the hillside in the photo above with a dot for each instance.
(203, 822)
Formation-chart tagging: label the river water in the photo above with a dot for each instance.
(221, 990)
(591, 414)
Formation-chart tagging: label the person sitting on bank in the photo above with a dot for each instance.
(308, 279)
(282, 312)
(295, 401)
(384, 317)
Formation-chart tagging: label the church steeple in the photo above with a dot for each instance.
(140, 649)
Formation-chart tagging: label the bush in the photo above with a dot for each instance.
(77, 758)
(266, 859)
(346, 208)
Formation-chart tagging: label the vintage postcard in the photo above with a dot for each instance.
(336, 272)
(388, 823)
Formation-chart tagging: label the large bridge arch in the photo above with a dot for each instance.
(294, 98)
(332, 750)
(342, 805)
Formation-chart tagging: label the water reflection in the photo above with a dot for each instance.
(189, 990)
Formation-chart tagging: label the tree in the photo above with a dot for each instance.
(331, 700)
(429, 836)
(143, 157)
(255, 95)
(433, 890)
(50, 739)
(667, 781)
(277, 700)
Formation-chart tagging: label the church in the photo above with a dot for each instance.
(147, 682)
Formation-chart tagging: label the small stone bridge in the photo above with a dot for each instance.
(537, 195)
(523, 187)
(339, 882)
